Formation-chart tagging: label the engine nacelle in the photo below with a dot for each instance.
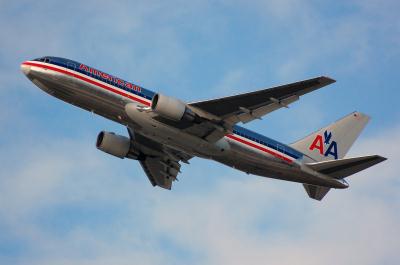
(113, 144)
(172, 108)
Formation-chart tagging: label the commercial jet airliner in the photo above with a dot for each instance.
(164, 131)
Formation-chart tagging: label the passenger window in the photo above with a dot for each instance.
(280, 148)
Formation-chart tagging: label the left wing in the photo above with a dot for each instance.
(160, 171)
(160, 163)
(253, 105)
(163, 170)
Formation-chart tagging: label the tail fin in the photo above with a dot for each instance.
(333, 141)
(330, 143)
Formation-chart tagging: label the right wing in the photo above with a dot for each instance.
(253, 105)
(218, 116)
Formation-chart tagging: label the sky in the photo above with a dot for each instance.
(64, 202)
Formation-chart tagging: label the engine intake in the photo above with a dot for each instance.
(172, 108)
(113, 144)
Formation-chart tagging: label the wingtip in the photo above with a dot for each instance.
(378, 159)
(382, 158)
(327, 79)
(360, 115)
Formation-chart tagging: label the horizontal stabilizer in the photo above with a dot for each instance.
(339, 169)
(342, 168)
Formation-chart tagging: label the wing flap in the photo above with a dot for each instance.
(261, 111)
(158, 172)
(160, 162)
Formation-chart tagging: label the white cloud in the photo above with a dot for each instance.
(241, 218)
(340, 39)
(237, 219)
(355, 226)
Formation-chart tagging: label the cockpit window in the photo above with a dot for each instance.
(43, 59)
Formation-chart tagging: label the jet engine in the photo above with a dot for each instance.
(172, 108)
(113, 144)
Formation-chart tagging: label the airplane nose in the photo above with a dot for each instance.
(25, 69)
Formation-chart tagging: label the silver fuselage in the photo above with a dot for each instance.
(85, 92)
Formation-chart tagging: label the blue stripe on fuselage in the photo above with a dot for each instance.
(268, 142)
(73, 65)
(148, 94)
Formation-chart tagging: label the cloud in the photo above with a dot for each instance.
(63, 202)
(76, 207)
(355, 226)
(338, 39)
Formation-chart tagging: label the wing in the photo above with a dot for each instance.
(160, 163)
(161, 171)
(253, 105)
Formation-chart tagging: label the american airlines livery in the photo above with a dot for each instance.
(165, 131)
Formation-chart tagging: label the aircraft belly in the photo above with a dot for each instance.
(256, 163)
(252, 161)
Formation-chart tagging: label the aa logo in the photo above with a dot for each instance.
(324, 145)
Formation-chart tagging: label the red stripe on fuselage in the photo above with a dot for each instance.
(231, 136)
(135, 98)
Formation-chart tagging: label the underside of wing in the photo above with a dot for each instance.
(159, 172)
(253, 105)
(160, 163)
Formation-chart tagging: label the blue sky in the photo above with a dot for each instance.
(64, 202)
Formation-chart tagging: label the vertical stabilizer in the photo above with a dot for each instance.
(333, 141)
(330, 143)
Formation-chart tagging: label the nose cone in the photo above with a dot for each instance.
(25, 69)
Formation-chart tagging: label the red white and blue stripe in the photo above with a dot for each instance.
(144, 96)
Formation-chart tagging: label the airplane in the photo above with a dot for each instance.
(164, 132)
